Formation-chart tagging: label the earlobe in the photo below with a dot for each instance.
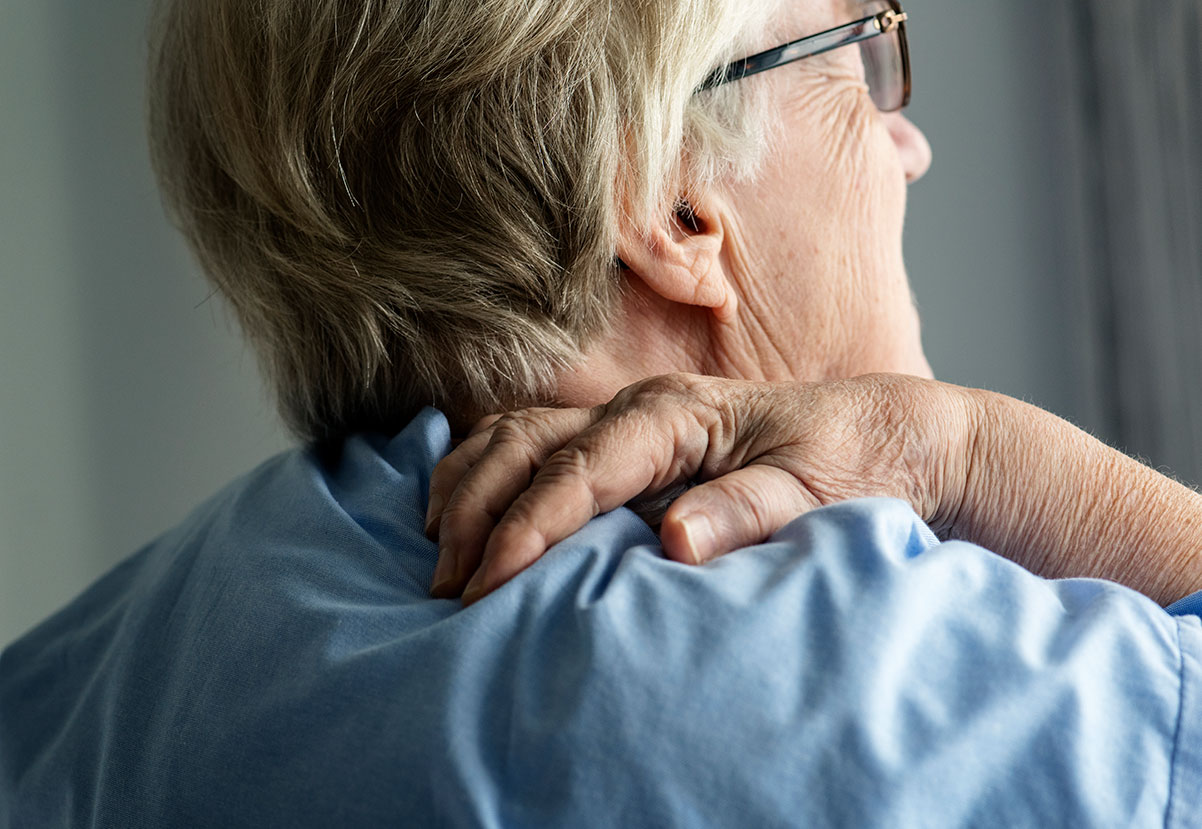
(681, 260)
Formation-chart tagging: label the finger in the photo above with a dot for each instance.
(737, 510)
(447, 475)
(451, 469)
(484, 423)
(518, 445)
(596, 472)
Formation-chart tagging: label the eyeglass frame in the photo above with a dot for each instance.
(886, 22)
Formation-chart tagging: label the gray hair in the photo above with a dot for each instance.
(412, 202)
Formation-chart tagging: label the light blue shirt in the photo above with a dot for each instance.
(276, 661)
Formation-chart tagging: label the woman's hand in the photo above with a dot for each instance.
(760, 454)
(975, 465)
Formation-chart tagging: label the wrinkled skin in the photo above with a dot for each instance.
(787, 285)
(819, 268)
(762, 454)
(975, 465)
(797, 274)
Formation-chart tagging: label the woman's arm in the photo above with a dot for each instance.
(1061, 503)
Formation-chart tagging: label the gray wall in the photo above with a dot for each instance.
(127, 397)
(985, 230)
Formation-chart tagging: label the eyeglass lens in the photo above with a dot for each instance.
(883, 56)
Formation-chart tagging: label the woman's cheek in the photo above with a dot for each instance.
(838, 124)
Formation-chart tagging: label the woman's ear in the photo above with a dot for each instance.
(681, 260)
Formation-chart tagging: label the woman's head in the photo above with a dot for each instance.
(420, 201)
(811, 246)
(416, 201)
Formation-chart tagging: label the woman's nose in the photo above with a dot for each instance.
(912, 146)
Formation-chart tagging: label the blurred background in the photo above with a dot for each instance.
(1055, 250)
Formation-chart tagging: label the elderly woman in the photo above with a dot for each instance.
(424, 212)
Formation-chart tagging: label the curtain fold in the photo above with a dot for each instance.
(1137, 290)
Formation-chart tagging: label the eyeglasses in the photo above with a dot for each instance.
(883, 48)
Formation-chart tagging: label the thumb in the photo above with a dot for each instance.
(737, 510)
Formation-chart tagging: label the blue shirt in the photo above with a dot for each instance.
(276, 661)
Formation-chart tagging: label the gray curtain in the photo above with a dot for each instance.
(1135, 77)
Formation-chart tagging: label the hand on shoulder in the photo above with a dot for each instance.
(759, 455)
(737, 460)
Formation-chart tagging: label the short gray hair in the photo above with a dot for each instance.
(413, 202)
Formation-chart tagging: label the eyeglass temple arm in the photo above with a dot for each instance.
(884, 23)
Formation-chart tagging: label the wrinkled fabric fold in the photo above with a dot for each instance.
(276, 661)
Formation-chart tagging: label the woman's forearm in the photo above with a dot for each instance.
(1061, 503)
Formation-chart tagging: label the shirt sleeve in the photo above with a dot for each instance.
(1185, 808)
(1190, 605)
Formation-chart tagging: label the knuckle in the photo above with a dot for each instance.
(515, 531)
(512, 427)
(652, 389)
(571, 466)
(678, 384)
(528, 427)
(458, 505)
(572, 461)
(748, 501)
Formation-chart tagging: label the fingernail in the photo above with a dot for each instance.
(433, 512)
(698, 536)
(444, 575)
(475, 587)
(444, 578)
(443, 590)
(443, 587)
